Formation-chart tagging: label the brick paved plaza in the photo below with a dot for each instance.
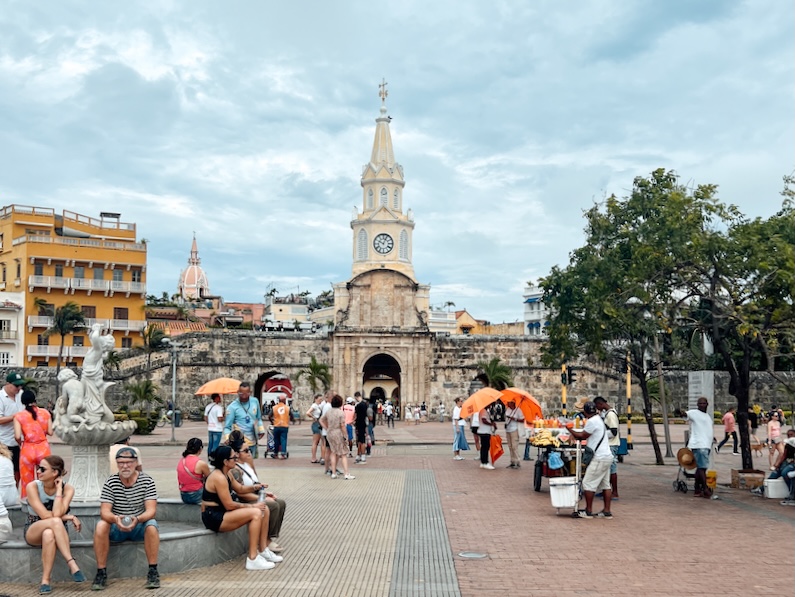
(398, 529)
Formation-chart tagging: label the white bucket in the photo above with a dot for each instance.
(776, 489)
(564, 492)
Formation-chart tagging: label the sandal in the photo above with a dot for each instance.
(314, 462)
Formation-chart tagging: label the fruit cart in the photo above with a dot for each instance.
(554, 449)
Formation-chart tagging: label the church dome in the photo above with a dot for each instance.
(193, 283)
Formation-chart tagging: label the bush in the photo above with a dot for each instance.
(121, 417)
(145, 425)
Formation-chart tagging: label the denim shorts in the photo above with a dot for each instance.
(136, 534)
(702, 457)
(614, 466)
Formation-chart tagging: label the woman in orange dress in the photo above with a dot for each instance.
(31, 428)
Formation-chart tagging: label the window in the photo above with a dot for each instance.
(403, 251)
(5, 358)
(46, 310)
(118, 275)
(5, 325)
(59, 270)
(99, 273)
(370, 199)
(361, 246)
(80, 271)
(19, 270)
(4, 273)
(120, 313)
(136, 275)
(38, 269)
(384, 196)
(43, 340)
(396, 200)
(89, 311)
(126, 342)
(78, 340)
(41, 364)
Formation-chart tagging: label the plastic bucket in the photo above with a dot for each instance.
(712, 479)
(564, 492)
(623, 447)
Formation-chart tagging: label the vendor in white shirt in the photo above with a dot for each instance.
(597, 475)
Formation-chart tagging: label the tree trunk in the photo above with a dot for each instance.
(655, 442)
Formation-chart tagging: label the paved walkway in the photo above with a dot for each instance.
(399, 529)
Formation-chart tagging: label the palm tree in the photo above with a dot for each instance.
(112, 361)
(495, 374)
(66, 319)
(144, 393)
(153, 338)
(316, 374)
(448, 304)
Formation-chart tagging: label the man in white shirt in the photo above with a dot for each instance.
(610, 417)
(214, 417)
(513, 418)
(10, 405)
(597, 475)
(700, 443)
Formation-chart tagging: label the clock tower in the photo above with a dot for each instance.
(382, 232)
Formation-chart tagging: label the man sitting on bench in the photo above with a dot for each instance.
(128, 504)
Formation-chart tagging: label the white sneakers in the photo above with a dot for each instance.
(259, 563)
(269, 556)
(275, 547)
(349, 477)
(487, 466)
(458, 457)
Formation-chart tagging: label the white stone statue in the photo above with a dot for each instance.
(81, 416)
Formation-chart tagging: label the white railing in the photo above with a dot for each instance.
(39, 321)
(133, 325)
(78, 351)
(80, 242)
(8, 335)
(43, 351)
(86, 284)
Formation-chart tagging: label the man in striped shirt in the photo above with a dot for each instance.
(128, 504)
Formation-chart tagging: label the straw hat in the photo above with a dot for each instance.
(686, 458)
(580, 404)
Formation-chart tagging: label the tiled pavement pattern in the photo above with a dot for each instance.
(364, 537)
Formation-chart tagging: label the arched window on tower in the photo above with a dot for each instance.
(396, 201)
(370, 199)
(361, 246)
(384, 197)
(403, 251)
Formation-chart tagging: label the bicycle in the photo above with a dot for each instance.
(165, 417)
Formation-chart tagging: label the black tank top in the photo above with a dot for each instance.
(211, 496)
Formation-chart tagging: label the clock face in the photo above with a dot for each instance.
(383, 243)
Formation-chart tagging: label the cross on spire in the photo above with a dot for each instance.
(382, 92)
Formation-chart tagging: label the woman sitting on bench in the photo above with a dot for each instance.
(221, 513)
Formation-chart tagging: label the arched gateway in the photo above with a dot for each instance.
(381, 379)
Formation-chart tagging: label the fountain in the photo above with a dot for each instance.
(84, 421)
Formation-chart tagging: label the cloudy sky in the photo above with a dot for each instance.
(248, 123)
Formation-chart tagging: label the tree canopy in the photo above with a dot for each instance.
(669, 264)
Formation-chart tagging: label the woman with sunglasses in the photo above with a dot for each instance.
(31, 428)
(191, 472)
(245, 473)
(48, 514)
(221, 513)
(774, 441)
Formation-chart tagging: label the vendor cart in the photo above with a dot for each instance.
(564, 483)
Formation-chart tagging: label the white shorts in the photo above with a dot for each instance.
(597, 476)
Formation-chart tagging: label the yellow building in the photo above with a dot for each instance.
(96, 263)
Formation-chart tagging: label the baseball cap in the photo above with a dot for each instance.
(589, 408)
(349, 400)
(15, 378)
(126, 452)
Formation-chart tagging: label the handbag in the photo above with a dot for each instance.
(588, 453)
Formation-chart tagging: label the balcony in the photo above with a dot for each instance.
(128, 325)
(39, 321)
(42, 351)
(108, 287)
(121, 325)
(9, 335)
(78, 351)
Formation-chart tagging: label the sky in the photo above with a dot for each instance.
(248, 123)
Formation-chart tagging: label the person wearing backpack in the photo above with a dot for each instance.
(610, 417)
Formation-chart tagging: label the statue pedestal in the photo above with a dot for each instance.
(90, 470)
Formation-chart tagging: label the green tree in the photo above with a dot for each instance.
(495, 374)
(112, 361)
(144, 394)
(317, 375)
(154, 341)
(65, 320)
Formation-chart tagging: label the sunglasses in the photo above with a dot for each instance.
(41, 469)
(233, 458)
(246, 451)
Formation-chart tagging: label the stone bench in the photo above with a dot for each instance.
(184, 544)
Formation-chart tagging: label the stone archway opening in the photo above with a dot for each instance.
(272, 382)
(381, 380)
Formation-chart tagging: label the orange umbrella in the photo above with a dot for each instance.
(480, 399)
(524, 401)
(222, 385)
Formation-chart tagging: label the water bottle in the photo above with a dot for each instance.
(126, 520)
(262, 495)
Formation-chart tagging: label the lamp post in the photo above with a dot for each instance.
(174, 355)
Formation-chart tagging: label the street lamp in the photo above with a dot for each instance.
(174, 346)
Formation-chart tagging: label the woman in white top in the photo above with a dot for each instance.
(8, 492)
(459, 432)
(245, 473)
